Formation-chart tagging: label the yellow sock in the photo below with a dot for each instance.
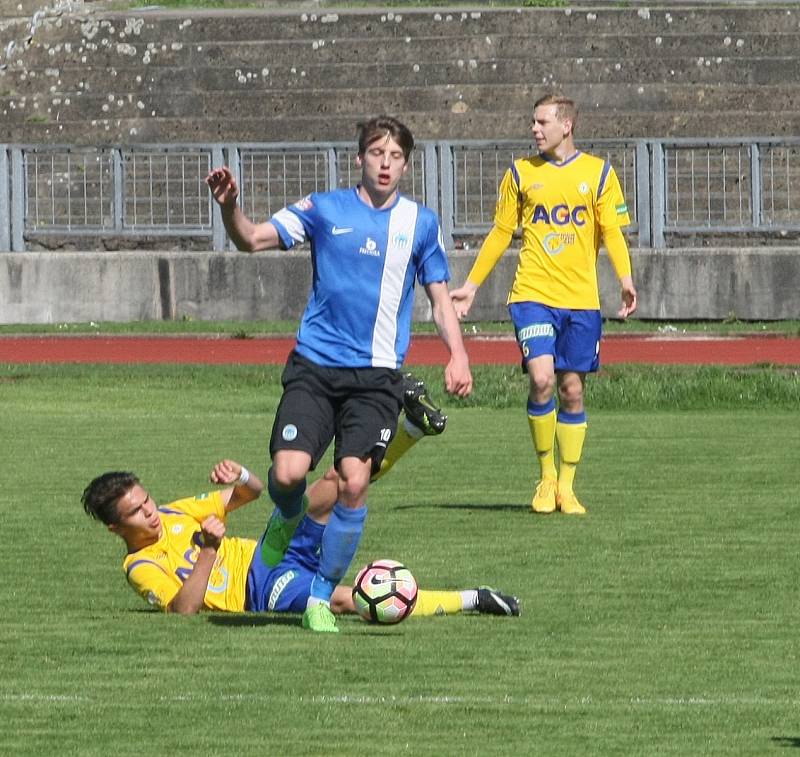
(437, 603)
(570, 433)
(402, 442)
(543, 434)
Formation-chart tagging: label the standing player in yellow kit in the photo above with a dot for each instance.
(566, 201)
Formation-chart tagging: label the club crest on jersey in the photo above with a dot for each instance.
(401, 239)
(370, 247)
(304, 204)
(560, 215)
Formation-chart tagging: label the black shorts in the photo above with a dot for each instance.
(358, 407)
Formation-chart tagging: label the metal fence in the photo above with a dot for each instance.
(673, 187)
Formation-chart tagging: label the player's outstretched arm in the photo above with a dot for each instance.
(457, 375)
(246, 486)
(246, 235)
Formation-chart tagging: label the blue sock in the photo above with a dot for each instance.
(289, 503)
(339, 544)
(534, 408)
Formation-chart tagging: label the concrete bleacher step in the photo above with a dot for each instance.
(179, 76)
(121, 77)
(597, 99)
(329, 127)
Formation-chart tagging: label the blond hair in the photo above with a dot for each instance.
(565, 107)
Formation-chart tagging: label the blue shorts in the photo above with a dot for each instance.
(572, 337)
(287, 586)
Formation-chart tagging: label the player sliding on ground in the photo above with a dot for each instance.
(180, 560)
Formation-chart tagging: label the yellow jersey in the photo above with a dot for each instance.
(158, 571)
(563, 209)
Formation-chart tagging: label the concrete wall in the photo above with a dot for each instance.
(74, 75)
(72, 287)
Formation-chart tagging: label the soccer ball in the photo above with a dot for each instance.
(384, 591)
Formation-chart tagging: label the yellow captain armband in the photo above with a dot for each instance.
(491, 251)
(617, 249)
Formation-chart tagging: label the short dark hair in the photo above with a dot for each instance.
(565, 107)
(101, 496)
(385, 126)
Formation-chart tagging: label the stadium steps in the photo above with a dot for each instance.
(165, 76)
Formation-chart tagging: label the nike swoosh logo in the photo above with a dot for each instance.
(336, 230)
(376, 581)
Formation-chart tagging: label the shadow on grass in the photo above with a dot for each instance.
(787, 741)
(253, 619)
(257, 620)
(517, 506)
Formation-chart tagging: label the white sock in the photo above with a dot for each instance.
(469, 599)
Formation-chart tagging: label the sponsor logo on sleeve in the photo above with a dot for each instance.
(304, 204)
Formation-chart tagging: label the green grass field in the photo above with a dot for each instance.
(663, 623)
(246, 329)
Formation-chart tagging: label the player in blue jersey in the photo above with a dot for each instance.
(369, 245)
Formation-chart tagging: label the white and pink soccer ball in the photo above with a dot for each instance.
(384, 591)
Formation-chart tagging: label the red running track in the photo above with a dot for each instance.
(425, 350)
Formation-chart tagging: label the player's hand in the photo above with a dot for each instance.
(629, 300)
(212, 529)
(458, 377)
(462, 299)
(226, 472)
(223, 186)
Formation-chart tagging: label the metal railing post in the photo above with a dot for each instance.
(218, 233)
(447, 192)
(658, 212)
(18, 192)
(234, 162)
(118, 209)
(431, 189)
(643, 193)
(5, 202)
(333, 169)
(756, 194)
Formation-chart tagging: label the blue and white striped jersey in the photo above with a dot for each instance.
(365, 263)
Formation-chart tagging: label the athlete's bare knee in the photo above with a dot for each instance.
(353, 483)
(353, 491)
(570, 392)
(543, 383)
(289, 470)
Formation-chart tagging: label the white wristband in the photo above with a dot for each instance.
(244, 476)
